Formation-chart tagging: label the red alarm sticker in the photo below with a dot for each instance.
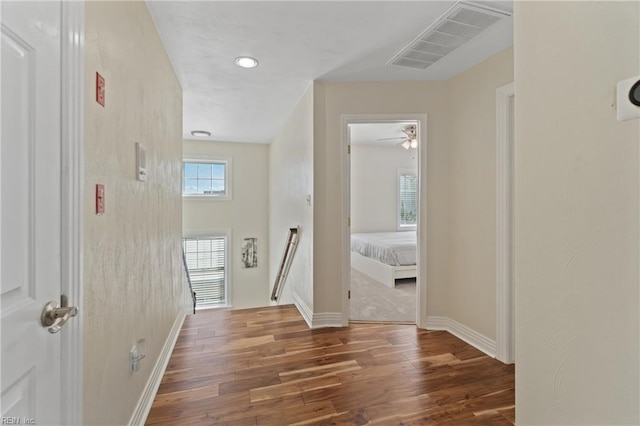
(99, 198)
(100, 90)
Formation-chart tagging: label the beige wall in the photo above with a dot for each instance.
(576, 219)
(374, 186)
(132, 255)
(336, 99)
(460, 175)
(472, 177)
(290, 182)
(244, 216)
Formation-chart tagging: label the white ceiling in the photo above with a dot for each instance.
(296, 42)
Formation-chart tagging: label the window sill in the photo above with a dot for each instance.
(206, 308)
(206, 198)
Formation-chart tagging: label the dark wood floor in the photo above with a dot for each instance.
(265, 367)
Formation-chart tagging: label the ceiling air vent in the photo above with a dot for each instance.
(461, 23)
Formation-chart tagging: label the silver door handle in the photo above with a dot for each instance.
(54, 317)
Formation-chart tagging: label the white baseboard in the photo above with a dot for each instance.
(143, 407)
(327, 319)
(317, 320)
(461, 331)
(304, 309)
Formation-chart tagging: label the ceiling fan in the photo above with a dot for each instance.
(410, 139)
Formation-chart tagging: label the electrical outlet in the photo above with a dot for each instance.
(137, 353)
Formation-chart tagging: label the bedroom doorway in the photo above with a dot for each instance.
(384, 200)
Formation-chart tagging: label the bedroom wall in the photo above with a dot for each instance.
(245, 215)
(132, 256)
(335, 99)
(472, 192)
(374, 186)
(290, 183)
(577, 209)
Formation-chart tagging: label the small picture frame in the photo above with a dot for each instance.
(249, 254)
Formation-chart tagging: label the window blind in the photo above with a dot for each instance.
(408, 199)
(205, 257)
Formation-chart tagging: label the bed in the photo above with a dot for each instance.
(384, 256)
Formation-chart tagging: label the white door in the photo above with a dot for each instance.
(30, 260)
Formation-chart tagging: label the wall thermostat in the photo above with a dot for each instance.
(628, 95)
(141, 162)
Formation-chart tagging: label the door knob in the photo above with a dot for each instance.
(54, 317)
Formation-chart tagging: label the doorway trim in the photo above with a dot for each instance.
(72, 176)
(421, 229)
(505, 315)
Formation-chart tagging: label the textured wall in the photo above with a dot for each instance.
(576, 219)
(336, 99)
(245, 215)
(290, 182)
(132, 254)
(472, 194)
(374, 186)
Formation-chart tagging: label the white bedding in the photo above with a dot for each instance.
(391, 248)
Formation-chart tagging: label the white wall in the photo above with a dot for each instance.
(244, 215)
(132, 254)
(374, 186)
(472, 194)
(290, 182)
(577, 209)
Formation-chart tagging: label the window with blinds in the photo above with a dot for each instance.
(407, 199)
(206, 262)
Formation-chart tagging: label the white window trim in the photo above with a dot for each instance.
(227, 178)
(401, 172)
(226, 233)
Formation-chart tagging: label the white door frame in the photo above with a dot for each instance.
(505, 315)
(421, 228)
(72, 107)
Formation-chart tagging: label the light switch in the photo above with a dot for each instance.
(141, 162)
(626, 96)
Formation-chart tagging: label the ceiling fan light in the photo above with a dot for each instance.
(406, 144)
(200, 133)
(414, 143)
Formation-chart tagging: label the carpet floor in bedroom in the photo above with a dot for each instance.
(373, 301)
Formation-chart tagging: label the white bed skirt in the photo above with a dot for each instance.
(381, 272)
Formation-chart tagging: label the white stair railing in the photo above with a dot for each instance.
(285, 264)
(186, 271)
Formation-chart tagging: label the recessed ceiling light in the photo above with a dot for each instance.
(200, 133)
(246, 62)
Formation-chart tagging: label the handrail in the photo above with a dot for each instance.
(186, 270)
(285, 263)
